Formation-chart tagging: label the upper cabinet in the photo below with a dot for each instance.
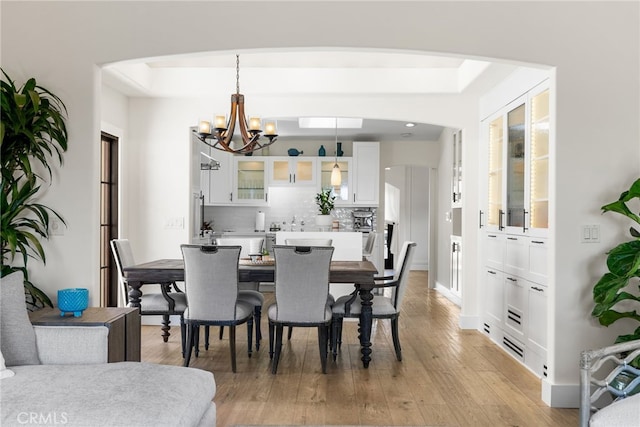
(216, 176)
(456, 173)
(289, 171)
(325, 167)
(517, 193)
(366, 173)
(250, 180)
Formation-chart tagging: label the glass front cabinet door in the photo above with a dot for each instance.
(342, 192)
(250, 181)
(517, 193)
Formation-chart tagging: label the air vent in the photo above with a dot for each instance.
(513, 347)
(487, 328)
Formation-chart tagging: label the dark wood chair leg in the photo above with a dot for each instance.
(271, 335)
(290, 332)
(165, 327)
(334, 337)
(323, 331)
(396, 338)
(206, 337)
(221, 334)
(278, 349)
(190, 340)
(250, 333)
(232, 346)
(257, 315)
(183, 334)
(196, 340)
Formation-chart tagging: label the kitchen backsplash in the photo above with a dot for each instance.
(284, 203)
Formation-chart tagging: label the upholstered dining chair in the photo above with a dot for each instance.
(384, 307)
(211, 286)
(171, 300)
(308, 242)
(301, 293)
(248, 291)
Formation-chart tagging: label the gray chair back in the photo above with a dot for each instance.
(308, 242)
(302, 283)
(402, 272)
(250, 245)
(211, 281)
(123, 256)
(368, 246)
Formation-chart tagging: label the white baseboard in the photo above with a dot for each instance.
(446, 292)
(561, 395)
(470, 322)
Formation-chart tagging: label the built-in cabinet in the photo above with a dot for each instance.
(245, 180)
(455, 266)
(250, 180)
(366, 173)
(456, 171)
(515, 224)
(292, 171)
(517, 193)
(343, 192)
(216, 179)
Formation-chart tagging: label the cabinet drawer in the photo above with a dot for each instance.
(538, 251)
(516, 258)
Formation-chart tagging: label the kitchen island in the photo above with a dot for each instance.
(347, 244)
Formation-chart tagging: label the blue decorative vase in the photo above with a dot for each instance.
(322, 152)
(339, 151)
(73, 300)
(294, 152)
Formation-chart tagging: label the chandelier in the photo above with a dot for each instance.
(219, 137)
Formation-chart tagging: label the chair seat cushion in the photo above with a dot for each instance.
(254, 298)
(382, 306)
(272, 312)
(623, 413)
(150, 303)
(109, 394)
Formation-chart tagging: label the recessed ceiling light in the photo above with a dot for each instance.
(409, 125)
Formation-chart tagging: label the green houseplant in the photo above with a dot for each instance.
(324, 200)
(623, 263)
(33, 135)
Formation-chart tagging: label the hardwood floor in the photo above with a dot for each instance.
(448, 376)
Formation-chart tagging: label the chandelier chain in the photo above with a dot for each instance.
(237, 73)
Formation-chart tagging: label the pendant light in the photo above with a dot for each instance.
(336, 173)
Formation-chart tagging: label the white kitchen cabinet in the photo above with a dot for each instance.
(292, 171)
(494, 297)
(344, 191)
(537, 318)
(515, 307)
(516, 260)
(494, 250)
(538, 258)
(366, 173)
(517, 188)
(216, 184)
(250, 180)
(455, 266)
(456, 173)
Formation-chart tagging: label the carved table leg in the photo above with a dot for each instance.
(165, 327)
(134, 293)
(366, 320)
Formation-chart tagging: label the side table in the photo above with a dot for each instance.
(123, 324)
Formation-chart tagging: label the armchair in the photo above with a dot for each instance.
(59, 375)
(602, 402)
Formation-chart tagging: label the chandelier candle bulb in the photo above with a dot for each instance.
(254, 123)
(221, 122)
(204, 126)
(270, 128)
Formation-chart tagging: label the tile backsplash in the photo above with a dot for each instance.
(284, 203)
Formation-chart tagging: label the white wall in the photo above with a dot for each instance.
(596, 60)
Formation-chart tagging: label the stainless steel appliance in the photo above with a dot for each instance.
(362, 220)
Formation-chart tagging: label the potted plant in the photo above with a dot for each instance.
(32, 134)
(611, 295)
(324, 200)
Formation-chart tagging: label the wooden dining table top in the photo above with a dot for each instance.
(163, 270)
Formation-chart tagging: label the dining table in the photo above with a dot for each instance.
(360, 273)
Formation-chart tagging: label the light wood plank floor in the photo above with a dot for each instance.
(448, 376)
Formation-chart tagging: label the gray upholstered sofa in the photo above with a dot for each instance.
(59, 376)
